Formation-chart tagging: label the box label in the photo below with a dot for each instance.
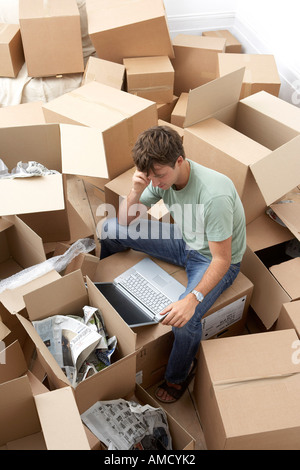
(223, 318)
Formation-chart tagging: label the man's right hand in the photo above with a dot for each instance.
(139, 182)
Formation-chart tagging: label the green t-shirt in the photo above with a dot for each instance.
(208, 208)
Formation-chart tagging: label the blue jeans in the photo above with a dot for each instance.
(163, 241)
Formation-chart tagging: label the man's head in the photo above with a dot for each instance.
(159, 145)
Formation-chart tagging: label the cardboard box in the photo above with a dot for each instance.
(150, 77)
(67, 296)
(164, 110)
(47, 421)
(104, 71)
(260, 72)
(131, 28)
(237, 392)
(22, 114)
(196, 61)
(118, 381)
(11, 50)
(232, 43)
(51, 36)
(20, 247)
(116, 118)
(289, 317)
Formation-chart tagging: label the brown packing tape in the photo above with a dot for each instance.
(150, 88)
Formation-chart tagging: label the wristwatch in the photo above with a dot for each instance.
(198, 295)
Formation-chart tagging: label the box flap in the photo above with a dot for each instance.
(288, 275)
(13, 299)
(65, 296)
(4, 331)
(264, 232)
(279, 172)
(28, 195)
(83, 151)
(18, 412)
(60, 420)
(208, 99)
(14, 365)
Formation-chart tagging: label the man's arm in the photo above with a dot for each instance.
(181, 312)
(130, 208)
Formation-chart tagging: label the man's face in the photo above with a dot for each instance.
(164, 176)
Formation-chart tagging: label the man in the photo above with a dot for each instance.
(207, 238)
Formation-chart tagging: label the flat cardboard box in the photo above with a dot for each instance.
(150, 77)
(233, 45)
(289, 317)
(20, 247)
(114, 116)
(104, 71)
(22, 114)
(11, 50)
(47, 421)
(67, 296)
(131, 28)
(164, 110)
(260, 72)
(237, 392)
(51, 36)
(196, 61)
(118, 381)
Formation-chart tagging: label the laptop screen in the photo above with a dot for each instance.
(129, 311)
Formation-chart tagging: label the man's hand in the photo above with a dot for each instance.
(139, 182)
(180, 312)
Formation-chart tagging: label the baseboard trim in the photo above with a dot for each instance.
(197, 23)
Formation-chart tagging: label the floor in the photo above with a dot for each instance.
(86, 198)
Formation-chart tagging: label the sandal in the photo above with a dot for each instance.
(174, 392)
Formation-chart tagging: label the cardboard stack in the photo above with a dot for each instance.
(137, 79)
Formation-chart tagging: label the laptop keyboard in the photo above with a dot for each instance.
(140, 288)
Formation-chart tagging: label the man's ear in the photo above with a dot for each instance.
(180, 160)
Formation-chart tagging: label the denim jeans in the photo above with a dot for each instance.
(163, 241)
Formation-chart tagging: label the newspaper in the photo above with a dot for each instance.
(127, 425)
(25, 170)
(75, 342)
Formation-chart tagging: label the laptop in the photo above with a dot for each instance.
(141, 293)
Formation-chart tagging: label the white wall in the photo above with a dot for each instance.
(262, 26)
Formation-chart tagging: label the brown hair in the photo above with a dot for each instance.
(160, 145)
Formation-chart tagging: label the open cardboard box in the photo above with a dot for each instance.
(128, 29)
(153, 343)
(114, 116)
(67, 296)
(47, 421)
(247, 392)
(20, 246)
(118, 381)
(51, 36)
(42, 201)
(260, 72)
(256, 143)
